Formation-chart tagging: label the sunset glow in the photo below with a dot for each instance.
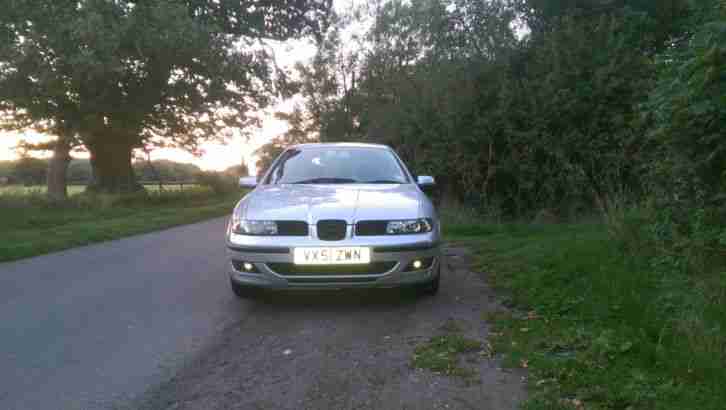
(216, 157)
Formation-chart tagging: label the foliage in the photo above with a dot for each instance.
(6, 168)
(29, 171)
(505, 120)
(165, 170)
(689, 114)
(237, 171)
(681, 225)
(542, 16)
(573, 119)
(219, 182)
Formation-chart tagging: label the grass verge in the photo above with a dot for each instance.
(31, 226)
(599, 328)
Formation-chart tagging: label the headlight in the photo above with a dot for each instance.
(410, 226)
(247, 227)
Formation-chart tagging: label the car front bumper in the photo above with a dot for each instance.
(394, 253)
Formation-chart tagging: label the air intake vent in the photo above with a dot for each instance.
(290, 269)
(292, 228)
(371, 228)
(332, 229)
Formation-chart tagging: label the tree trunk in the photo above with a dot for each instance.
(57, 168)
(112, 170)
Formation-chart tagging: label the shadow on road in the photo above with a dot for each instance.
(343, 299)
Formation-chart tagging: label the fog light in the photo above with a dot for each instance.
(246, 267)
(419, 264)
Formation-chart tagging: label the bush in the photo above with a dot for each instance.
(220, 183)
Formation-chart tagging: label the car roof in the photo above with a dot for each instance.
(341, 145)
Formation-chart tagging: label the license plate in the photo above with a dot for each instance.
(332, 256)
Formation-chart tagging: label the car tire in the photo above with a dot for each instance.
(431, 288)
(244, 292)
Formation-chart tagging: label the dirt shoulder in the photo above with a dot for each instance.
(349, 351)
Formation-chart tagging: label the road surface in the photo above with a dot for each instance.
(149, 322)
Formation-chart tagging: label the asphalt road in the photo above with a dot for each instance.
(149, 322)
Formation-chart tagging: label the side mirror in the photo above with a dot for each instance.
(248, 182)
(425, 181)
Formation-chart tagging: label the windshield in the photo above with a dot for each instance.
(338, 165)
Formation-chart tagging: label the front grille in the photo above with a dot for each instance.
(332, 229)
(292, 228)
(290, 269)
(332, 280)
(371, 228)
(259, 249)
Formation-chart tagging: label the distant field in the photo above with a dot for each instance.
(77, 189)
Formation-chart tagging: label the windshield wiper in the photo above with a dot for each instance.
(326, 181)
(381, 181)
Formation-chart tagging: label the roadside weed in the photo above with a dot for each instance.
(441, 354)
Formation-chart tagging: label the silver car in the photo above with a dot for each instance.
(333, 216)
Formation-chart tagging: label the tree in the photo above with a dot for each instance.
(237, 171)
(125, 74)
(542, 16)
(61, 146)
(266, 154)
(417, 82)
(79, 171)
(689, 115)
(30, 171)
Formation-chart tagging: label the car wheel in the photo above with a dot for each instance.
(244, 292)
(431, 288)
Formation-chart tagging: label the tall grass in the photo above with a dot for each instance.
(686, 263)
(628, 314)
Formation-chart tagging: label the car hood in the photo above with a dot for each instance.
(351, 203)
